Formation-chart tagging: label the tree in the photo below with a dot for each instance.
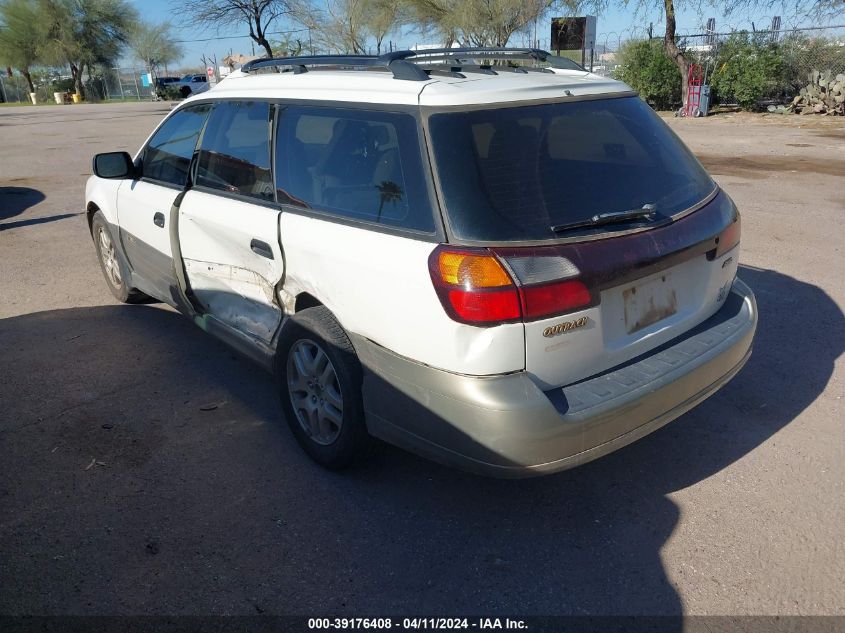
(82, 33)
(341, 26)
(670, 47)
(258, 15)
(749, 67)
(20, 34)
(345, 26)
(480, 22)
(644, 66)
(381, 17)
(818, 9)
(154, 44)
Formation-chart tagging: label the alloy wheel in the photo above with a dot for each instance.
(109, 258)
(314, 391)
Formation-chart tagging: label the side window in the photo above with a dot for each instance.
(353, 163)
(235, 149)
(167, 157)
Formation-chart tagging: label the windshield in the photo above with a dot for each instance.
(509, 174)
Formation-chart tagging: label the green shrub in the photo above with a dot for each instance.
(645, 67)
(748, 67)
(170, 93)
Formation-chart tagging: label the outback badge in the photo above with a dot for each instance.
(560, 328)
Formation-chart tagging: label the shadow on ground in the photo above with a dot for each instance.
(145, 470)
(16, 200)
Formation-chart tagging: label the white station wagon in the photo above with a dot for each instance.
(489, 257)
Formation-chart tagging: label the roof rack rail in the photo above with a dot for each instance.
(393, 62)
(494, 53)
(401, 63)
(491, 52)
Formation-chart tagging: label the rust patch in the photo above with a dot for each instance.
(757, 167)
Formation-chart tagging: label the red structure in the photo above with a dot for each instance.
(694, 81)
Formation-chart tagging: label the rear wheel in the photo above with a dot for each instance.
(112, 263)
(320, 378)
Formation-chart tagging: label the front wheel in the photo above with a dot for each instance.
(320, 379)
(111, 262)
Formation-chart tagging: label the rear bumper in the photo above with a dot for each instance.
(505, 426)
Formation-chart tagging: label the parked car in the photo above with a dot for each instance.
(192, 85)
(161, 83)
(514, 269)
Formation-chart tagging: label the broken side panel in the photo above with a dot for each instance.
(233, 260)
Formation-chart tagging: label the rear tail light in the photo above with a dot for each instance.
(474, 287)
(479, 288)
(728, 238)
(552, 299)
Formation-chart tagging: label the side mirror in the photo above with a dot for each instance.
(114, 165)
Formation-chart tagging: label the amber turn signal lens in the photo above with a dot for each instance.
(472, 271)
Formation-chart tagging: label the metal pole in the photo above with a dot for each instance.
(120, 84)
(135, 79)
(3, 98)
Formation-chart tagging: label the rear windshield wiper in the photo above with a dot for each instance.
(646, 212)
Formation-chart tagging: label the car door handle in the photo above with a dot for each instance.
(261, 248)
(158, 219)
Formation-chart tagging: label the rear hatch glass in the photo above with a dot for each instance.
(522, 173)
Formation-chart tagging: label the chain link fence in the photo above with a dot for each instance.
(791, 55)
(107, 84)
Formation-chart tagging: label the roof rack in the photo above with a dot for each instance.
(393, 62)
(401, 63)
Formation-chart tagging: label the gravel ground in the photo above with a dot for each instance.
(120, 494)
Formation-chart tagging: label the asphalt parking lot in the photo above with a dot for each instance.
(145, 468)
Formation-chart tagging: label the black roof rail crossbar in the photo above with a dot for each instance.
(479, 53)
(393, 62)
(457, 54)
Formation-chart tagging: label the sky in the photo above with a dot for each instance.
(613, 25)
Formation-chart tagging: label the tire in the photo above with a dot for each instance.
(186, 92)
(112, 263)
(319, 378)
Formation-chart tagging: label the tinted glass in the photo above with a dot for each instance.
(235, 150)
(352, 163)
(513, 173)
(168, 155)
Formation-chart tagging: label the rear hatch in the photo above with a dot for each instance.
(614, 236)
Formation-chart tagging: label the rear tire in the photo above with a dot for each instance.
(112, 262)
(319, 378)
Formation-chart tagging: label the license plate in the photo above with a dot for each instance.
(649, 302)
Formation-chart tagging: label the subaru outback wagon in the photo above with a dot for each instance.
(489, 257)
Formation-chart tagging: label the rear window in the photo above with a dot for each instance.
(510, 174)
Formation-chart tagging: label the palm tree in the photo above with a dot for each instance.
(389, 191)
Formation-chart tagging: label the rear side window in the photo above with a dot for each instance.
(167, 157)
(354, 164)
(511, 174)
(235, 149)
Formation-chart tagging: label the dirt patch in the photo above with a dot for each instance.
(837, 134)
(757, 167)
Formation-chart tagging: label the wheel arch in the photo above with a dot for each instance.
(305, 300)
(90, 210)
